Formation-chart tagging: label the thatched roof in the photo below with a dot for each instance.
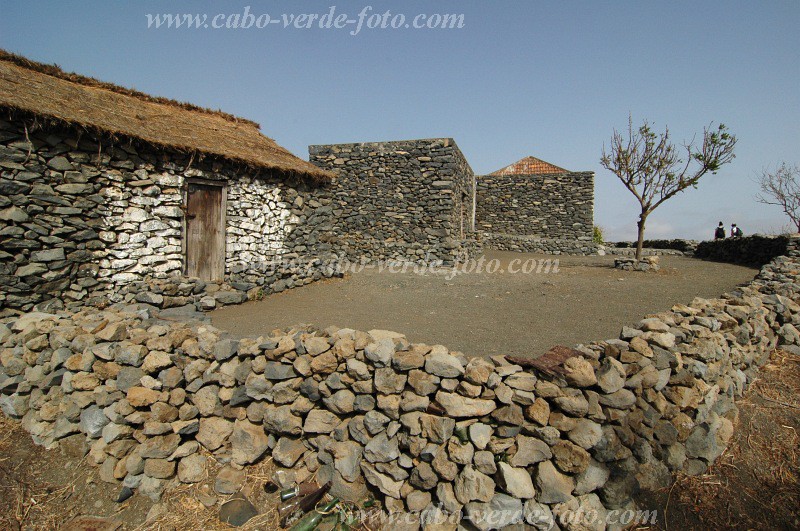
(46, 90)
(529, 166)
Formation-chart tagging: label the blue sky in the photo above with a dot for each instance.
(548, 79)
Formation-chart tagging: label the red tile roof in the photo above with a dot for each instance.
(529, 166)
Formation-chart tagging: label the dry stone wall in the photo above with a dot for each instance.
(81, 220)
(551, 213)
(751, 250)
(423, 428)
(404, 200)
(532, 244)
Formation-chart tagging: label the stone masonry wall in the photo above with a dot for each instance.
(420, 427)
(557, 206)
(80, 220)
(399, 200)
(528, 244)
(751, 250)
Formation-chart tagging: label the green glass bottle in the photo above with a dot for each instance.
(310, 521)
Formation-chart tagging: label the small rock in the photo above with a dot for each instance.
(229, 480)
(192, 469)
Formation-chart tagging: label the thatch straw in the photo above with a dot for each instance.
(46, 90)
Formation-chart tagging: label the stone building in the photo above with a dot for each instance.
(407, 200)
(101, 186)
(536, 206)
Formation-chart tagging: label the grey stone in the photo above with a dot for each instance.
(586, 433)
(225, 349)
(248, 442)
(341, 402)
(459, 406)
(471, 485)
(552, 485)
(213, 432)
(321, 421)
(381, 449)
(288, 451)
(515, 481)
(380, 352)
(281, 420)
(229, 480)
(591, 479)
(441, 363)
(383, 482)
(501, 512)
(611, 376)
(480, 434)
(93, 420)
(192, 469)
(530, 451)
(278, 371)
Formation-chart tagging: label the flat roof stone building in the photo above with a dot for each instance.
(406, 200)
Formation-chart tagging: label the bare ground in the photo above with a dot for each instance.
(753, 487)
(487, 314)
(755, 484)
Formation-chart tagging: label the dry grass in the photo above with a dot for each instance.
(55, 71)
(182, 510)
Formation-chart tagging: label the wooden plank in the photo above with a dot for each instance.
(205, 232)
(551, 362)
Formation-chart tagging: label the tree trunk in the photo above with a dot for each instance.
(640, 240)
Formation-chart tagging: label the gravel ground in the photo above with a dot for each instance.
(483, 314)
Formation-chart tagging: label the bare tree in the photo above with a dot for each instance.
(782, 188)
(651, 168)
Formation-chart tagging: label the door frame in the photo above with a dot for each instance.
(223, 220)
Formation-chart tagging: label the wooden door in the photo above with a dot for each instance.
(205, 231)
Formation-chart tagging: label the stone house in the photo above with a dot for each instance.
(101, 186)
(405, 200)
(536, 206)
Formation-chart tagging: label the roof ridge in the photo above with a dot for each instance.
(529, 165)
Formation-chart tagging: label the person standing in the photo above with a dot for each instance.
(719, 234)
(736, 232)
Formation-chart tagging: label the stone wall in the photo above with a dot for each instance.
(684, 246)
(532, 244)
(546, 207)
(420, 427)
(751, 250)
(399, 200)
(82, 219)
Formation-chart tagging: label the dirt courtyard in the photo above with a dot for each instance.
(484, 314)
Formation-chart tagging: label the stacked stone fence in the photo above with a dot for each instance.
(684, 246)
(627, 251)
(532, 244)
(753, 250)
(422, 428)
